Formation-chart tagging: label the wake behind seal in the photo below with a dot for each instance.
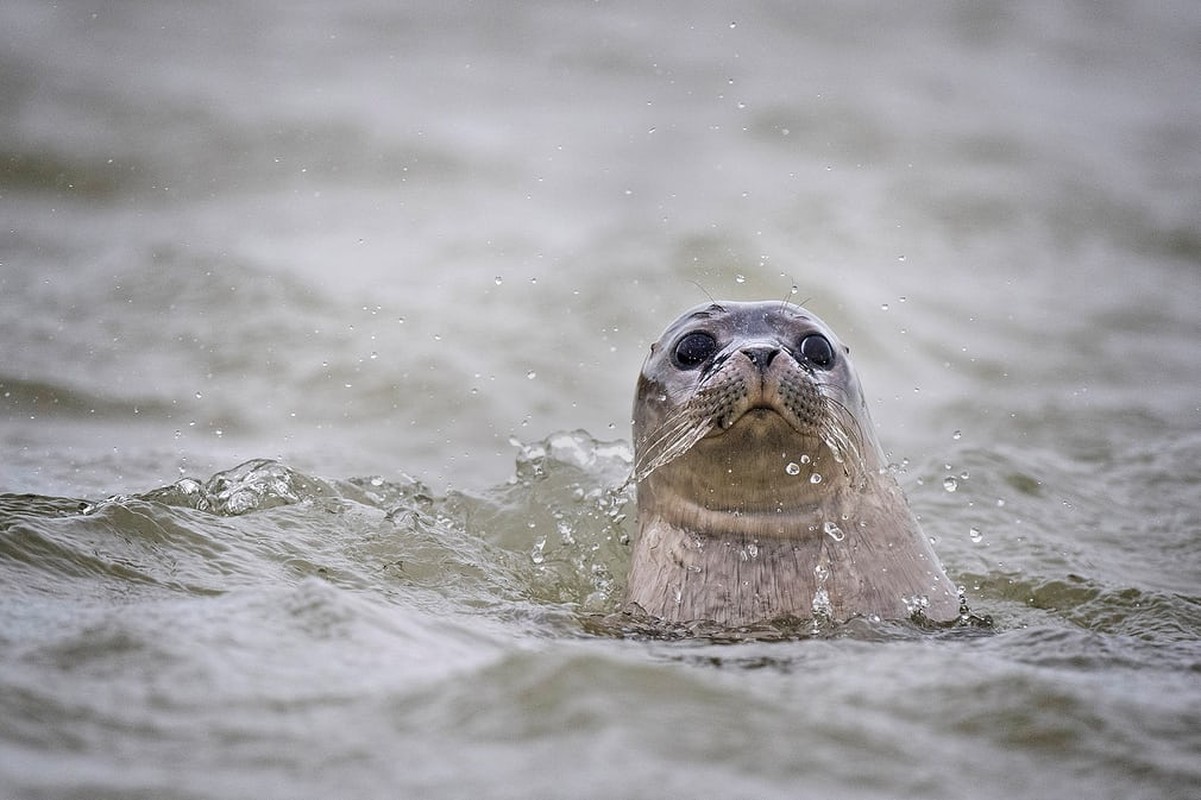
(762, 490)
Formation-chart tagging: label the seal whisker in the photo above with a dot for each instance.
(675, 437)
(842, 434)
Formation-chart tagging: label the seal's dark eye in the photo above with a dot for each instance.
(817, 350)
(694, 349)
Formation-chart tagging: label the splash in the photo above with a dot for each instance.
(254, 485)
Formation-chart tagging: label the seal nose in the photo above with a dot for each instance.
(761, 355)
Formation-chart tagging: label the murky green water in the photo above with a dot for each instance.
(388, 255)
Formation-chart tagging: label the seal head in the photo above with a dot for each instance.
(762, 491)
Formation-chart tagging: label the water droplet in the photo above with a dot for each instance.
(793, 468)
(531, 374)
(884, 306)
(815, 478)
(833, 531)
(821, 572)
(499, 280)
(950, 484)
(957, 435)
(199, 395)
(975, 535)
(739, 279)
(963, 476)
(536, 555)
(805, 459)
(821, 603)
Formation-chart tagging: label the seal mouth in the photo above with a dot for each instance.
(715, 411)
(761, 411)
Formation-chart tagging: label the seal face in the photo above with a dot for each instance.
(762, 491)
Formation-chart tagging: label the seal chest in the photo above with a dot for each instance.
(762, 491)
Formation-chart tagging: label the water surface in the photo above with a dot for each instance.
(404, 263)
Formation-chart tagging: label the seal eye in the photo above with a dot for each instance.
(694, 349)
(817, 350)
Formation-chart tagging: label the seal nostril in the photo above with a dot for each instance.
(761, 356)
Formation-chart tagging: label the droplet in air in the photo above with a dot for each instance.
(739, 279)
(499, 280)
(531, 374)
(815, 478)
(833, 531)
(949, 483)
(957, 435)
(793, 468)
(821, 603)
(975, 535)
(536, 555)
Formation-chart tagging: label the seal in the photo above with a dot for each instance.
(762, 490)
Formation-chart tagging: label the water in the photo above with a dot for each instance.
(387, 255)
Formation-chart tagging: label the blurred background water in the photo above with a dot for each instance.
(389, 253)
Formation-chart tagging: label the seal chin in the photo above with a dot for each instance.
(760, 414)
